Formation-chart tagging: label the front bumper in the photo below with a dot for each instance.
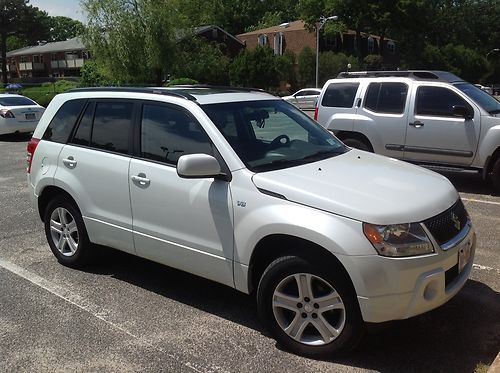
(399, 288)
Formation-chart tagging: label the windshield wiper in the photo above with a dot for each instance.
(495, 111)
(277, 164)
(322, 154)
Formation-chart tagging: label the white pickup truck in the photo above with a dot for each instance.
(432, 118)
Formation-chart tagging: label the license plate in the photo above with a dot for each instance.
(30, 116)
(464, 254)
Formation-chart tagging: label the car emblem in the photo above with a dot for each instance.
(455, 220)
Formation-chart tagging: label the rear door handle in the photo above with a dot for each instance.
(69, 162)
(417, 124)
(141, 179)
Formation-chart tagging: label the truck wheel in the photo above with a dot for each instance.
(309, 309)
(66, 233)
(495, 175)
(357, 144)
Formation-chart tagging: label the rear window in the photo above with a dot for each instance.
(63, 122)
(340, 95)
(16, 101)
(388, 98)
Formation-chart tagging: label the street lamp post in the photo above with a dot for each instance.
(492, 51)
(319, 25)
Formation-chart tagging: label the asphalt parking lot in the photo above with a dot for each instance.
(127, 314)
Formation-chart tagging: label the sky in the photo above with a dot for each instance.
(67, 8)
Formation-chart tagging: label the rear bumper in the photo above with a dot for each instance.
(12, 126)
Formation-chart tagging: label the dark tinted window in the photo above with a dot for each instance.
(16, 101)
(62, 124)
(437, 101)
(387, 98)
(340, 95)
(168, 133)
(82, 135)
(112, 126)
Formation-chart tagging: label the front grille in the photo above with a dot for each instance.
(446, 225)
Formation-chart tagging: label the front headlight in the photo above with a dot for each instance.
(398, 240)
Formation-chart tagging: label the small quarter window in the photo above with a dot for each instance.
(63, 122)
(340, 95)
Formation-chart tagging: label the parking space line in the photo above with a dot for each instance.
(481, 201)
(96, 311)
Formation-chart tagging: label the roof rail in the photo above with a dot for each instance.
(217, 87)
(412, 74)
(161, 91)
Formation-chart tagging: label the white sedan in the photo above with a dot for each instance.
(304, 99)
(18, 114)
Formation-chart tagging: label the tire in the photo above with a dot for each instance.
(358, 144)
(495, 175)
(66, 233)
(295, 319)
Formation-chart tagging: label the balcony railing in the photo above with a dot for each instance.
(67, 64)
(38, 66)
(24, 66)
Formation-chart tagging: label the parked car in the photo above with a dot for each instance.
(18, 114)
(432, 118)
(242, 188)
(304, 99)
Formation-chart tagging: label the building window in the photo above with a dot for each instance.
(262, 39)
(53, 56)
(331, 41)
(371, 44)
(391, 47)
(278, 43)
(24, 59)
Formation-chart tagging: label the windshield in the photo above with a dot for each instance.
(482, 98)
(16, 101)
(272, 134)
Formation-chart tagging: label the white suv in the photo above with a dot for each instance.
(432, 118)
(242, 188)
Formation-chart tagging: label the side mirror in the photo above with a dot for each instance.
(198, 166)
(462, 111)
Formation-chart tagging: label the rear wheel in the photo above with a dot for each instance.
(66, 233)
(358, 144)
(309, 309)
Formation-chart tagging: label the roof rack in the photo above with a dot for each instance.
(412, 74)
(161, 91)
(219, 87)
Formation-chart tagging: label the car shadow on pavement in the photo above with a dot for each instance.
(15, 137)
(469, 182)
(454, 338)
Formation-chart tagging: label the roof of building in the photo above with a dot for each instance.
(58, 46)
(298, 26)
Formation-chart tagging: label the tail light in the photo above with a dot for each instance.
(4, 113)
(316, 112)
(32, 144)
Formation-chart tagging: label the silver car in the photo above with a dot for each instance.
(304, 99)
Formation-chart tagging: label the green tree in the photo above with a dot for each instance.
(22, 21)
(257, 68)
(63, 28)
(306, 69)
(331, 64)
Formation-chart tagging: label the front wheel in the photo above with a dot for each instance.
(66, 233)
(309, 309)
(495, 175)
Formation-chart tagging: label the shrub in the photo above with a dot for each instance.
(180, 81)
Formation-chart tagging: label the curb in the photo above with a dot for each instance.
(495, 366)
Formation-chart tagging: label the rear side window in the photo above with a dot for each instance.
(438, 101)
(111, 127)
(168, 133)
(388, 98)
(340, 95)
(82, 135)
(63, 122)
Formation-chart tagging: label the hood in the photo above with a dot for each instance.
(363, 186)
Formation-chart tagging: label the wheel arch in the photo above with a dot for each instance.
(273, 246)
(48, 193)
(342, 135)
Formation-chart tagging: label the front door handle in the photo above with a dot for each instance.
(141, 179)
(69, 162)
(417, 124)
